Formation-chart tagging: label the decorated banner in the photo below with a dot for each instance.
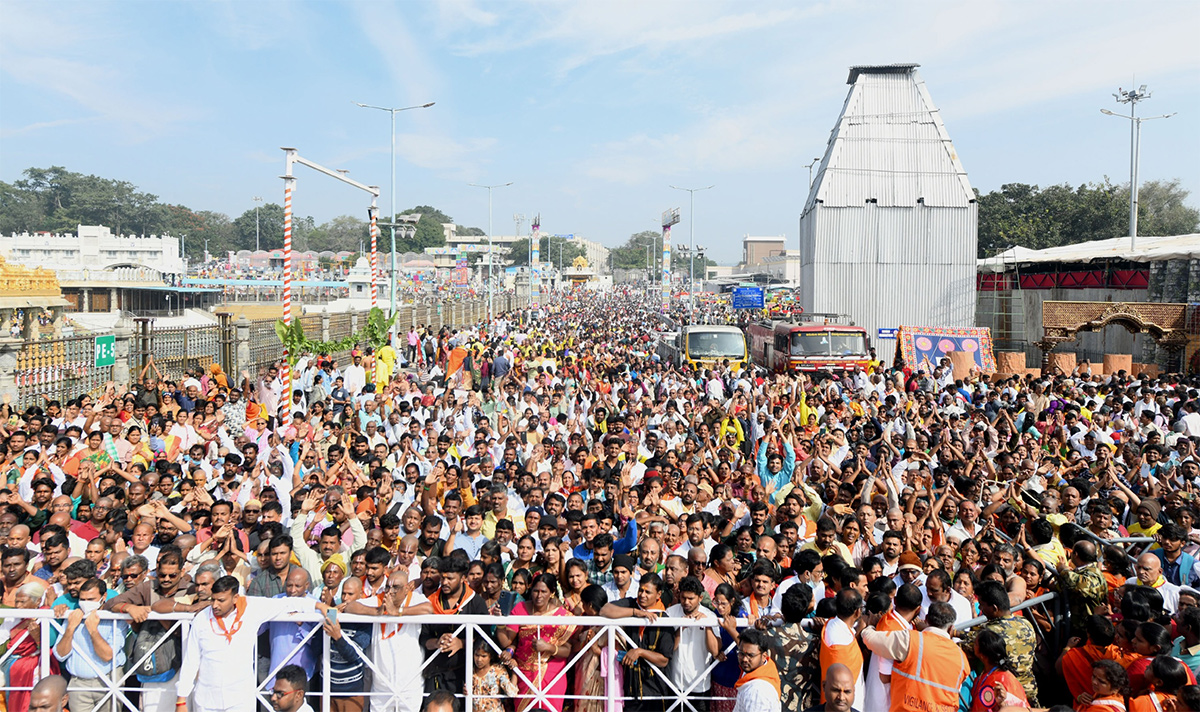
(923, 347)
(462, 272)
(535, 269)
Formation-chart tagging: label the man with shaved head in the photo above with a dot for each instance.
(286, 636)
(839, 691)
(1149, 573)
(49, 694)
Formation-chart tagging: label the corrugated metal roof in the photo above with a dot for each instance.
(889, 146)
(900, 68)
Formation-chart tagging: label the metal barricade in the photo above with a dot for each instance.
(59, 369)
(118, 684)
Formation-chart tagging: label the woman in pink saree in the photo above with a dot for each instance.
(539, 651)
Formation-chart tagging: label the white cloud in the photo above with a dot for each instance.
(88, 62)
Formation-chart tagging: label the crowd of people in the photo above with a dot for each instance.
(764, 541)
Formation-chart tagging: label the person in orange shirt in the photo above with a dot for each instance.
(1075, 663)
(1110, 684)
(839, 642)
(1166, 676)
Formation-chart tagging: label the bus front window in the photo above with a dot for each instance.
(719, 344)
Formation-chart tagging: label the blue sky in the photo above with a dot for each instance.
(591, 108)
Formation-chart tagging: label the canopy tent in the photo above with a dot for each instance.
(1149, 249)
(922, 347)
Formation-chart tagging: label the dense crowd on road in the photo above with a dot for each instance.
(820, 542)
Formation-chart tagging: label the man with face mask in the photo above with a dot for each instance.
(397, 650)
(90, 648)
(218, 658)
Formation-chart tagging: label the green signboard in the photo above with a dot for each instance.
(106, 350)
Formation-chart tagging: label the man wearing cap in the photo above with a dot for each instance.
(909, 570)
(625, 577)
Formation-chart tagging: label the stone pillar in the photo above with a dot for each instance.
(9, 349)
(241, 345)
(962, 363)
(1062, 360)
(324, 325)
(1117, 362)
(85, 300)
(1010, 362)
(56, 320)
(112, 300)
(353, 322)
(123, 334)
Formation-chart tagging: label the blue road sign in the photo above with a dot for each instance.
(888, 333)
(748, 298)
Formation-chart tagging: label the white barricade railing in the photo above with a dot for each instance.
(120, 685)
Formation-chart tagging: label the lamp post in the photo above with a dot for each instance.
(257, 199)
(392, 197)
(692, 250)
(489, 252)
(809, 166)
(1132, 97)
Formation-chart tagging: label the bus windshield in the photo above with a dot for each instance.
(716, 344)
(828, 343)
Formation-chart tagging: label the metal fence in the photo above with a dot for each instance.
(59, 369)
(63, 368)
(395, 681)
(180, 348)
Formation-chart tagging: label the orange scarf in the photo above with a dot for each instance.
(436, 601)
(658, 606)
(384, 633)
(228, 633)
(767, 671)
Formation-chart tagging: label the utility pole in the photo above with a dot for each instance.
(809, 166)
(490, 248)
(1132, 97)
(257, 199)
(692, 250)
(392, 197)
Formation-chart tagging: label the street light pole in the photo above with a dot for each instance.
(489, 252)
(692, 250)
(392, 197)
(257, 200)
(809, 166)
(1132, 97)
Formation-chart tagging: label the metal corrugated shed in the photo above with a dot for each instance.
(889, 232)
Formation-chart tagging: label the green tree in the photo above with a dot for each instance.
(344, 232)
(270, 216)
(1028, 216)
(548, 247)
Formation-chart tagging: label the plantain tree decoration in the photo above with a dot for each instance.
(378, 328)
(375, 333)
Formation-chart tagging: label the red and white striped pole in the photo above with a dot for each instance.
(374, 258)
(288, 185)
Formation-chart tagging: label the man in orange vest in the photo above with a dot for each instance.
(928, 669)
(839, 643)
(905, 608)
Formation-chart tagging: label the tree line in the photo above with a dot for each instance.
(58, 200)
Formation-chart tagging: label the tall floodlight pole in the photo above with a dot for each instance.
(490, 255)
(692, 252)
(669, 218)
(257, 199)
(392, 197)
(1132, 97)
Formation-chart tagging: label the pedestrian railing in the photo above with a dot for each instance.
(387, 693)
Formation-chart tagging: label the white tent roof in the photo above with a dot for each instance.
(1149, 249)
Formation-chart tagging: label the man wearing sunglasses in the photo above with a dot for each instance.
(290, 686)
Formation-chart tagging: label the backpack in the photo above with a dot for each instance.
(166, 656)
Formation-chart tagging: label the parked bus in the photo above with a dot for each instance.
(793, 347)
(704, 346)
